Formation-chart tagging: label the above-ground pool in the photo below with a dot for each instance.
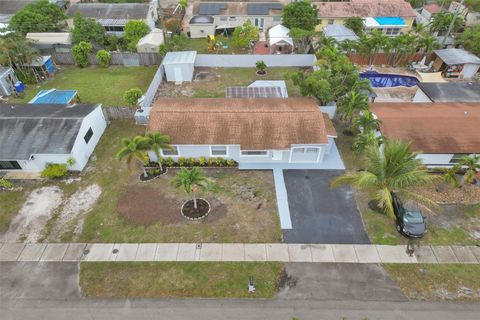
(383, 80)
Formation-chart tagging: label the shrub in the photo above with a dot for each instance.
(134, 31)
(202, 161)
(174, 25)
(163, 50)
(182, 162)
(131, 96)
(211, 162)
(168, 162)
(192, 162)
(231, 163)
(219, 161)
(81, 52)
(55, 170)
(261, 66)
(103, 57)
(4, 183)
(112, 42)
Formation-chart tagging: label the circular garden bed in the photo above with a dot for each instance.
(200, 212)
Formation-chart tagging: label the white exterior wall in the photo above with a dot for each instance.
(435, 160)
(420, 96)
(469, 70)
(269, 21)
(202, 31)
(179, 72)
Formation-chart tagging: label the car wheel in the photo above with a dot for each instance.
(398, 228)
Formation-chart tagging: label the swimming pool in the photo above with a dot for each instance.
(383, 80)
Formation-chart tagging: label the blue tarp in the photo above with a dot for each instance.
(54, 96)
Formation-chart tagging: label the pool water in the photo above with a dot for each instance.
(382, 80)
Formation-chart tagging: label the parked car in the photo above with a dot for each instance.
(409, 217)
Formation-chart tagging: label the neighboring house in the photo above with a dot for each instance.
(45, 41)
(250, 131)
(392, 17)
(447, 92)
(114, 16)
(443, 132)
(7, 81)
(429, 10)
(33, 136)
(9, 7)
(471, 17)
(279, 40)
(456, 63)
(151, 42)
(339, 32)
(217, 17)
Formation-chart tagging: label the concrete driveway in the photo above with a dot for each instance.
(320, 214)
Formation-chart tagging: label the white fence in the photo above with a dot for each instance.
(141, 116)
(249, 60)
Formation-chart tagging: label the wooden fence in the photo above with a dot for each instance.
(382, 58)
(119, 113)
(118, 58)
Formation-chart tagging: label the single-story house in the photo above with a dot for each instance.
(7, 81)
(279, 40)
(274, 130)
(151, 42)
(114, 16)
(443, 132)
(9, 7)
(210, 17)
(179, 65)
(391, 17)
(32, 136)
(59, 41)
(54, 96)
(456, 63)
(430, 9)
(339, 32)
(471, 17)
(447, 92)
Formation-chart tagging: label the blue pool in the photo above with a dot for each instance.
(382, 80)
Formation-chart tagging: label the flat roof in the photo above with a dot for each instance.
(244, 8)
(438, 128)
(339, 32)
(253, 92)
(53, 96)
(50, 37)
(176, 57)
(452, 56)
(114, 11)
(451, 91)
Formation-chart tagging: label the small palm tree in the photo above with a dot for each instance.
(351, 104)
(471, 164)
(191, 180)
(366, 122)
(427, 43)
(157, 141)
(393, 169)
(135, 148)
(365, 140)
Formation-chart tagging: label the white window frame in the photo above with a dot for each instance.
(218, 155)
(266, 155)
(305, 148)
(170, 155)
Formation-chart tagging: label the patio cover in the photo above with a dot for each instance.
(279, 33)
(431, 77)
(452, 56)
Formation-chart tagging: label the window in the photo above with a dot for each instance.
(456, 157)
(170, 152)
(233, 18)
(218, 150)
(395, 31)
(253, 153)
(331, 21)
(277, 18)
(9, 165)
(88, 135)
(223, 18)
(114, 28)
(389, 31)
(305, 150)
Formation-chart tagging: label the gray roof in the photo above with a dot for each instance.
(451, 91)
(211, 8)
(339, 32)
(28, 129)
(4, 70)
(453, 56)
(176, 57)
(253, 92)
(262, 8)
(131, 11)
(201, 19)
(12, 6)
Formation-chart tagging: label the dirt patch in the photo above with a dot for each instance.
(28, 224)
(200, 211)
(469, 194)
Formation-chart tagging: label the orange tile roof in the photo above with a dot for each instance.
(254, 124)
(432, 127)
(364, 8)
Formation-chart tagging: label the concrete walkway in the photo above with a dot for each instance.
(282, 199)
(340, 253)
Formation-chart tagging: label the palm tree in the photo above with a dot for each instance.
(348, 46)
(402, 46)
(356, 24)
(157, 141)
(392, 168)
(471, 164)
(365, 140)
(352, 103)
(373, 43)
(426, 43)
(182, 4)
(135, 148)
(367, 122)
(191, 180)
(442, 20)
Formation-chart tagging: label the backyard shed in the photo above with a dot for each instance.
(43, 66)
(339, 32)
(201, 26)
(456, 63)
(7, 81)
(54, 96)
(151, 42)
(279, 40)
(179, 66)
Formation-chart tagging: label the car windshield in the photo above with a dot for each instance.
(413, 217)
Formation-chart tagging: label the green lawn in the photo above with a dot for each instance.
(435, 282)
(179, 279)
(10, 203)
(95, 84)
(201, 45)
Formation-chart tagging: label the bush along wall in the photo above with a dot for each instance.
(199, 162)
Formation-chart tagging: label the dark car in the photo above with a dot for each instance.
(410, 220)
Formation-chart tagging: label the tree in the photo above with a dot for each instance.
(103, 58)
(366, 122)
(302, 39)
(15, 52)
(372, 44)
(473, 5)
(301, 15)
(365, 140)
(190, 180)
(416, 3)
(351, 104)
(39, 16)
(471, 165)
(355, 24)
(393, 169)
(88, 30)
(426, 43)
(183, 4)
(135, 149)
(442, 20)
(316, 85)
(81, 52)
(349, 46)
(131, 96)
(470, 39)
(403, 47)
(134, 31)
(174, 25)
(261, 66)
(244, 35)
(157, 141)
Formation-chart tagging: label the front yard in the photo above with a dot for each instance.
(95, 84)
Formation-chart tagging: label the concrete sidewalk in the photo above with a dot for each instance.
(339, 253)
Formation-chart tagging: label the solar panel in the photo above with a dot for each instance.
(211, 8)
(262, 8)
(253, 92)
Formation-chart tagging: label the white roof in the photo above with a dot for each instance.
(50, 37)
(155, 37)
(339, 32)
(279, 33)
(180, 57)
(271, 83)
